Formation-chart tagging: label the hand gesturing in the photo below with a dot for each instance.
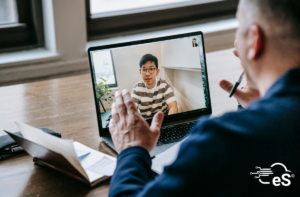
(128, 128)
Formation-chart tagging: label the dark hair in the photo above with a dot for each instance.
(148, 57)
(284, 13)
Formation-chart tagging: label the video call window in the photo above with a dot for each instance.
(166, 76)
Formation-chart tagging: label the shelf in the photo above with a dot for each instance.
(184, 68)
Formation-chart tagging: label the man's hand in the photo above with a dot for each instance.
(128, 128)
(244, 96)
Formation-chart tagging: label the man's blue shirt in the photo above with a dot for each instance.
(217, 158)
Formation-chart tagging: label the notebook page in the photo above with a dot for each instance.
(96, 164)
(58, 145)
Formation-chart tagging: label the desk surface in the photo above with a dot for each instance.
(66, 105)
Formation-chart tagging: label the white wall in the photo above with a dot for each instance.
(187, 85)
(70, 28)
(180, 53)
(188, 88)
(126, 61)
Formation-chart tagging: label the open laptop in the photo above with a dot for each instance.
(182, 68)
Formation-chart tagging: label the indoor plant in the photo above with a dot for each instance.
(104, 93)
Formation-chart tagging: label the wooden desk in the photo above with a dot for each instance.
(66, 105)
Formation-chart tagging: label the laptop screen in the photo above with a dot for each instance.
(167, 75)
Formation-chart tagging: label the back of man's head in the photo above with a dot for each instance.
(281, 20)
(268, 40)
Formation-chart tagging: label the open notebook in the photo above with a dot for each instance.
(68, 157)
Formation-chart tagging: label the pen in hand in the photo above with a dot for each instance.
(237, 83)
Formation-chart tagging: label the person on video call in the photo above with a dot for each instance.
(223, 155)
(153, 94)
(195, 43)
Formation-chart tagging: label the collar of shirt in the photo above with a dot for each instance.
(154, 88)
(286, 84)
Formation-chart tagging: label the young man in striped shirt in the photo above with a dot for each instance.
(153, 94)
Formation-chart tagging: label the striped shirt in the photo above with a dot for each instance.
(151, 101)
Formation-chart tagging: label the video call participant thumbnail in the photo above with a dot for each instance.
(153, 94)
(195, 43)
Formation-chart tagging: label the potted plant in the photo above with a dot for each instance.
(104, 93)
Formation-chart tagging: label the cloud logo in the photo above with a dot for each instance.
(277, 181)
(280, 165)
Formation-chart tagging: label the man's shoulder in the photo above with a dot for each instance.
(139, 84)
(162, 83)
(162, 80)
(262, 118)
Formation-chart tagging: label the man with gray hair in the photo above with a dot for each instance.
(252, 152)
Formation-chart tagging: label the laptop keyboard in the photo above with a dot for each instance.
(174, 133)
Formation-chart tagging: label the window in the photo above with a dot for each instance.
(8, 12)
(107, 18)
(21, 25)
(104, 68)
(104, 8)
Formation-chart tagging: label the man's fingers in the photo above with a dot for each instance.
(112, 126)
(131, 108)
(114, 113)
(157, 121)
(227, 86)
(120, 105)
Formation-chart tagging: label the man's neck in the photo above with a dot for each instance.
(270, 75)
(152, 85)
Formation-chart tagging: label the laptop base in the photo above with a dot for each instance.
(156, 150)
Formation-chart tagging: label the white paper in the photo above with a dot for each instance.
(165, 158)
(104, 166)
(93, 158)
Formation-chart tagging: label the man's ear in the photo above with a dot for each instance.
(140, 72)
(157, 72)
(255, 42)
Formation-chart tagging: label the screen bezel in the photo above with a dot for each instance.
(168, 119)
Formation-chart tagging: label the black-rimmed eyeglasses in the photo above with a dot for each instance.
(150, 70)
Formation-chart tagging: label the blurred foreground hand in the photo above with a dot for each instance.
(128, 128)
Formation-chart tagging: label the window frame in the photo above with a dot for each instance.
(28, 33)
(115, 85)
(99, 28)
